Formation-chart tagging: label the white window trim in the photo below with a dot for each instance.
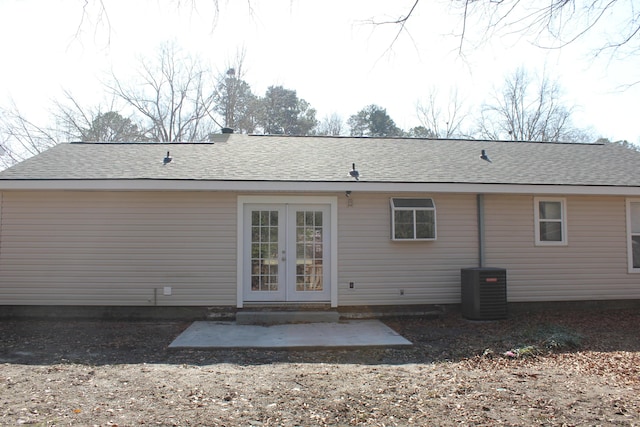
(393, 224)
(563, 220)
(629, 235)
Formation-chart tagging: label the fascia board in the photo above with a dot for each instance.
(297, 186)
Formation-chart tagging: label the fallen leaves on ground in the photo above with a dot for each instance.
(569, 368)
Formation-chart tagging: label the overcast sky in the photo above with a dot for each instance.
(325, 50)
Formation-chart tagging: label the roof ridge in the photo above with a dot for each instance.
(407, 138)
(142, 143)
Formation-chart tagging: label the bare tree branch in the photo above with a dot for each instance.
(96, 124)
(101, 17)
(565, 21)
(23, 138)
(234, 100)
(443, 123)
(464, 26)
(523, 111)
(172, 92)
(331, 125)
(95, 13)
(401, 21)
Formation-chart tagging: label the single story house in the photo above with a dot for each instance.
(251, 220)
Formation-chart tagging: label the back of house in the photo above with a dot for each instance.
(321, 221)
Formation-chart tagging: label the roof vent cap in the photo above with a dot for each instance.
(484, 156)
(167, 159)
(354, 173)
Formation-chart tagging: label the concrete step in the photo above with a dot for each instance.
(262, 317)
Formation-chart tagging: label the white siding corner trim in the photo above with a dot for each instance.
(279, 199)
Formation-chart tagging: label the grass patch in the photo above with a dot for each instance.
(560, 338)
(539, 339)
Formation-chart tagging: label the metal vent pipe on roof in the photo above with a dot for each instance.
(167, 159)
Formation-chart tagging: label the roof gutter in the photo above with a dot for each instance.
(305, 186)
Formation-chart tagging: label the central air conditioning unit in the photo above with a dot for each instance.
(484, 293)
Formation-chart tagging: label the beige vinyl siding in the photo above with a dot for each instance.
(117, 248)
(427, 271)
(123, 248)
(592, 266)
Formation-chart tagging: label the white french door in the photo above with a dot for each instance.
(286, 252)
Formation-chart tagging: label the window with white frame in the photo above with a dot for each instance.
(633, 227)
(550, 220)
(413, 219)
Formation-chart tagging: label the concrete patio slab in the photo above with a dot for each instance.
(347, 334)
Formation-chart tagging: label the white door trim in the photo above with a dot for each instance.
(279, 199)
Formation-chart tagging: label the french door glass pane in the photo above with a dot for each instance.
(309, 237)
(264, 250)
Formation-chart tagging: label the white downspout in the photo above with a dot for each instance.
(481, 255)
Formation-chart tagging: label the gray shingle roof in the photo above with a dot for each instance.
(328, 159)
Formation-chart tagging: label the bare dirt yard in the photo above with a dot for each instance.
(575, 368)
